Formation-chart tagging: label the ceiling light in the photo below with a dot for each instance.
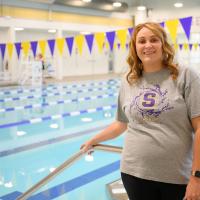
(52, 31)
(178, 5)
(141, 8)
(86, 1)
(117, 4)
(19, 29)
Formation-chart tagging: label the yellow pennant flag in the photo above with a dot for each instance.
(107, 45)
(100, 39)
(25, 47)
(176, 46)
(60, 45)
(10, 49)
(172, 26)
(185, 46)
(42, 45)
(79, 39)
(195, 46)
(122, 34)
(114, 45)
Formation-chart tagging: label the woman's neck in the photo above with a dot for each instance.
(152, 67)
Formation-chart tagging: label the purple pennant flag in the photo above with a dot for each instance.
(127, 46)
(34, 47)
(2, 48)
(162, 24)
(118, 45)
(190, 46)
(180, 46)
(186, 24)
(111, 37)
(89, 39)
(18, 48)
(70, 42)
(51, 44)
(130, 30)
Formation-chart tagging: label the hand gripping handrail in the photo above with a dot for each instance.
(63, 166)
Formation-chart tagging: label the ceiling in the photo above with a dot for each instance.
(103, 4)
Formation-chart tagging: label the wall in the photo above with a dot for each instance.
(86, 63)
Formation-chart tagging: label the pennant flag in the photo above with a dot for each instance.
(190, 46)
(51, 44)
(186, 24)
(89, 39)
(79, 39)
(185, 45)
(70, 42)
(195, 46)
(114, 45)
(34, 47)
(106, 45)
(42, 45)
(122, 34)
(130, 30)
(10, 49)
(18, 48)
(180, 46)
(3, 48)
(100, 39)
(60, 45)
(162, 24)
(111, 38)
(172, 26)
(127, 46)
(25, 48)
(176, 46)
(118, 45)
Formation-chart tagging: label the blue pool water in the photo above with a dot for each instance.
(42, 127)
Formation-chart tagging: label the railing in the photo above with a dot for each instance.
(63, 166)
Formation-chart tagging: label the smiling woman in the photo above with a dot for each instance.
(159, 108)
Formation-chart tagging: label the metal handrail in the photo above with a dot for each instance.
(63, 166)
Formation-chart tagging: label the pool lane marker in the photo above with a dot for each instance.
(58, 116)
(70, 185)
(48, 88)
(53, 103)
(57, 94)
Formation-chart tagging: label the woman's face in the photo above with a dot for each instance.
(148, 47)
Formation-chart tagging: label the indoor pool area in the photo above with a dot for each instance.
(99, 99)
(42, 127)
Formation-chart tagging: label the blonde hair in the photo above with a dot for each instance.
(135, 64)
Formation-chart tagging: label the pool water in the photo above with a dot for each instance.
(42, 127)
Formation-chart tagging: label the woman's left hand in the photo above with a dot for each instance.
(193, 189)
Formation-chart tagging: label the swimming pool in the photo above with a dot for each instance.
(42, 127)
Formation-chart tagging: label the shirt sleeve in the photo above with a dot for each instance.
(120, 114)
(192, 94)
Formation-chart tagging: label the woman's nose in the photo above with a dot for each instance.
(148, 44)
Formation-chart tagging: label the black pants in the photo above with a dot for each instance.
(140, 189)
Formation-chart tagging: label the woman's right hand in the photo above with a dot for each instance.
(87, 146)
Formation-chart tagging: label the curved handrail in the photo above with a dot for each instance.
(63, 166)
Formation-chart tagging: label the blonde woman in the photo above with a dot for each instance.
(159, 108)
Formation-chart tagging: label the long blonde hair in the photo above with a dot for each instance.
(135, 64)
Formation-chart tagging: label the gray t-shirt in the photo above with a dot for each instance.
(159, 140)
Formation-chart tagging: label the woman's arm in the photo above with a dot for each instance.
(193, 188)
(112, 131)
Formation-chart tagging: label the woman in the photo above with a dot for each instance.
(158, 106)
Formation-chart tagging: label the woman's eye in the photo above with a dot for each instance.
(141, 41)
(154, 40)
